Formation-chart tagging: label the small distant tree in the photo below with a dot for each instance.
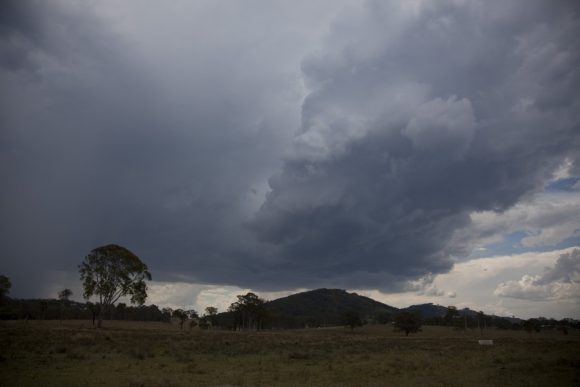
(64, 296)
(5, 286)
(450, 315)
(352, 320)
(193, 318)
(211, 313)
(193, 323)
(181, 315)
(192, 314)
(167, 313)
(111, 272)
(408, 323)
(481, 321)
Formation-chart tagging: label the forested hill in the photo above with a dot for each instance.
(324, 307)
(427, 310)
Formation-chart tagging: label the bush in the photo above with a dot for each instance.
(408, 323)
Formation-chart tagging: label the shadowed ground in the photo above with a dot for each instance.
(157, 354)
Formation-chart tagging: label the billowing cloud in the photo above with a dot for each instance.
(425, 286)
(560, 282)
(442, 127)
(475, 283)
(546, 219)
(279, 147)
(420, 115)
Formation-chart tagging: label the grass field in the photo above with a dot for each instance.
(46, 353)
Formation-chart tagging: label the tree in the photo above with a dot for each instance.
(95, 310)
(167, 313)
(210, 314)
(193, 318)
(352, 320)
(450, 315)
(111, 272)
(181, 315)
(480, 321)
(192, 323)
(5, 286)
(408, 322)
(249, 312)
(63, 296)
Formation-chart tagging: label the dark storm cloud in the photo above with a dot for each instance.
(46, 134)
(159, 132)
(419, 116)
(95, 151)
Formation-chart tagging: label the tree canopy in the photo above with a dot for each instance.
(352, 319)
(211, 311)
(249, 312)
(111, 272)
(65, 294)
(181, 315)
(408, 323)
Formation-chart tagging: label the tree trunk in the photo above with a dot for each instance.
(100, 321)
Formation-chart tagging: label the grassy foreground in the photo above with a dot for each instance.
(156, 354)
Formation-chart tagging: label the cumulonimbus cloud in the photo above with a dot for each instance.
(419, 116)
(397, 125)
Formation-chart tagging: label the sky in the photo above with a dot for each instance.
(411, 151)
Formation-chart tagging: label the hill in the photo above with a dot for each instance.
(324, 307)
(426, 310)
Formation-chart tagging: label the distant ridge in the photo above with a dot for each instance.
(429, 310)
(328, 307)
(324, 307)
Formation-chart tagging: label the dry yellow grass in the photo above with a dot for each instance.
(157, 354)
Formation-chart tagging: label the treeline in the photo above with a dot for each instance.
(462, 322)
(276, 319)
(251, 313)
(468, 319)
(312, 309)
(52, 309)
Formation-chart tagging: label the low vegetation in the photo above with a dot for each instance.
(57, 343)
(160, 354)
